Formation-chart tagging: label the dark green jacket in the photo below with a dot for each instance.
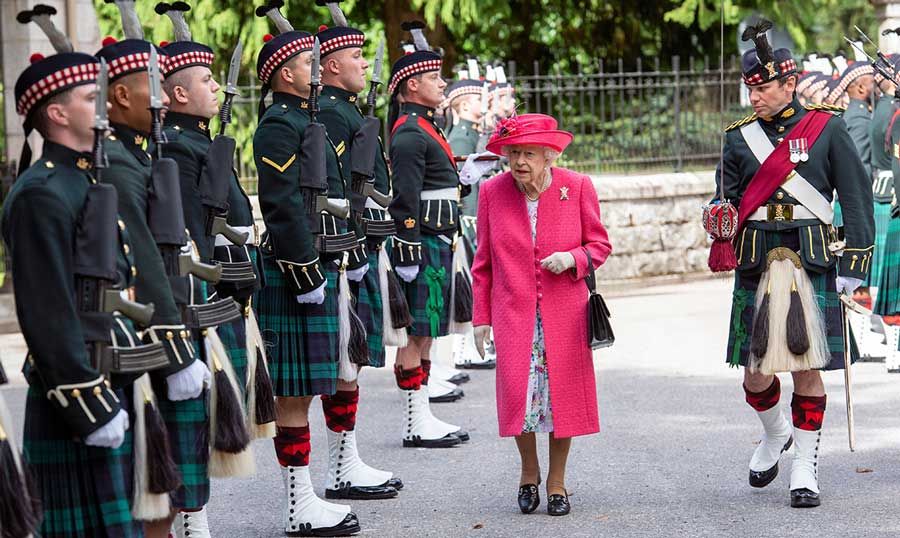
(41, 217)
(420, 162)
(881, 117)
(833, 165)
(341, 116)
(276, 149)
(859, 122)
(464, 141)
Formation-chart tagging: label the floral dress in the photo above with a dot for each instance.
(538, 414)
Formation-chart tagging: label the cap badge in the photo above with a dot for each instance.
(771, 67)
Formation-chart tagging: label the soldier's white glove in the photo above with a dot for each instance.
(111, 434)
(356, 275)
(316, 296)
(187, 384)
(558, 262)
(473, 170)
(848, 284)
(482, 334)
(407, 273)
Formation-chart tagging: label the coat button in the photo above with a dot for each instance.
(540, 296)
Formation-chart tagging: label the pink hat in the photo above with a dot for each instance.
(528, 129)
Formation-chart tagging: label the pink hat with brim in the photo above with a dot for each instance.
(529, 130)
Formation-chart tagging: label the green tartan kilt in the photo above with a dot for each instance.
(744, 306)
(234, 338)
(436, 253)
(887, 302)
(367, 294)
(469, 236)
(301, 339)
(85, 491)
(882, 221)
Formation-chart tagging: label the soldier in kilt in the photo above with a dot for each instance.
(786, 315)
(76, 441)
(304, 258)
(344, 77)
(887, 300)
(426, 208)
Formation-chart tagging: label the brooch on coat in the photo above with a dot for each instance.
(564, 193)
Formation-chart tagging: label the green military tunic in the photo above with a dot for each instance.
(887, 301)
(84, 490)
(881, 117)
(883, 180)
(464, 141)
(342, 118)
(426, 209)
(303, 357)
(833, 165)
(858, 118)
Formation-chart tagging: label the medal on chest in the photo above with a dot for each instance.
(799, 150)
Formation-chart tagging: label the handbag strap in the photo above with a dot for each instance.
(590, 279)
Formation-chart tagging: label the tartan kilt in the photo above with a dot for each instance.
(887, 301)
(187, 422)
(744, 306)
(367, 294)
(438, 254)
(301, 339)
(86, 491)
(882, 221)
(234, 338)
(469, 232)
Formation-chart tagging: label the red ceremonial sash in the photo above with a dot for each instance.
(773, 173)
(429, 129)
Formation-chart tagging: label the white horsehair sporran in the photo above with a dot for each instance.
(788, 327)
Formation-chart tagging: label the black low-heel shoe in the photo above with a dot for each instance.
(529, 498)
(558, 505)
(804, 498)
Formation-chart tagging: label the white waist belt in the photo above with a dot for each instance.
(450, 193)
(800, 213)
(885, 174)
(221, 241)
(372, 204)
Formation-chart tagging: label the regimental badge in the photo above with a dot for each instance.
(410, 223)
(202, 125)
(771, 68)
(138, 140)
(82, 163)
(799, 150)
(564, 193)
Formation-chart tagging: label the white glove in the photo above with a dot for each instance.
(111, 434)
(407, 273)
(558, 262)
(356, 275)
(482, 334)
(473, 170)
(187, 384)
(316, 296)
(848, 285)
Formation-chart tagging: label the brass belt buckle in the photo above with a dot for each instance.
(780, 212)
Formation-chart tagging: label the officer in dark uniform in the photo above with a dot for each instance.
(426, 209)
(784, 256)
(71, 256)
(344, 77)
(304, 255)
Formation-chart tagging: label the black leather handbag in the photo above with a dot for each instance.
(600, 332)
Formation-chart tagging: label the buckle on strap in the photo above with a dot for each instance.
(780, 212)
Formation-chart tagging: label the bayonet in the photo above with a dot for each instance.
(882, 64)
(101, 120)
(376, 80)
(231, 90)
(314, 80)
(156, 103)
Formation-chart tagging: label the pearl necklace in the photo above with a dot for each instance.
(546, 184)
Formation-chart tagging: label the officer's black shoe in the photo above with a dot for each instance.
(529, 498)
(804, 498)
(462, 435)
(347, 527)
(446, 441)
(362, 493)
(451, 396)
(395, 483)
(761, 479)
(459, 378)
(558, 505)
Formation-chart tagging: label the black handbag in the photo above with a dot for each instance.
(600, 332)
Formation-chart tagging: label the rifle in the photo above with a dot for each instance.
(366, 143)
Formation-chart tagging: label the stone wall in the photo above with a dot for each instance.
(654, 224)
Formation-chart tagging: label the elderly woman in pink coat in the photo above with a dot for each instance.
(539, 233)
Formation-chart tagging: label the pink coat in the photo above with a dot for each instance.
(509, 284)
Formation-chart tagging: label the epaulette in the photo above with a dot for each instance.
(742, 122)
(836, 110)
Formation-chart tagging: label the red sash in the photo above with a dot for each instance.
(773, 173)
(429, 129)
